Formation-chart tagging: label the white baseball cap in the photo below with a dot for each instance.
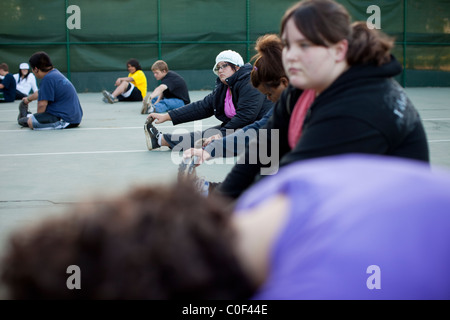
(229, 56)
(24, 66)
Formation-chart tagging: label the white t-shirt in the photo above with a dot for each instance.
(27, 84)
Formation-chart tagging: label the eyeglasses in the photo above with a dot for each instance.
(216, 69)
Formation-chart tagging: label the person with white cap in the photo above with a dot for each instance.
(234, 101)
(25, 81)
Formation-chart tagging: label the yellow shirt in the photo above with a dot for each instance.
(140, 81)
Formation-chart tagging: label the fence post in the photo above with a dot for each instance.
(248, 30)
(67, 42)
(405, 14)
(158, 19)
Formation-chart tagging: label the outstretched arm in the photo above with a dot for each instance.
(158, 92)
(160, 118)
(30, 98)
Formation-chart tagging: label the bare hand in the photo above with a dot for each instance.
(159, 118)
(25, 100)
(210, 139)
(201, 154)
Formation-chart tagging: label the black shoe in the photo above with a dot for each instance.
(23, 110)
(151, 135)
(23, 122)
(187, 172)
(186, 169)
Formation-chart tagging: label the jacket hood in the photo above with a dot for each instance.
(387, 70)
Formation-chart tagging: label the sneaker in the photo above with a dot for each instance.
(151, 134)
(23, 122)
(109, 97)
(147, 106)
(151, 109)
(23, 110)
(186, 169)
(202, 186)
(187, 172)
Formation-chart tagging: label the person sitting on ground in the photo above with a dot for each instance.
(234, 101)
(58, 105)
(130, 88)
(317, 231)
(269, 77)
(7, 84)
(25, 81)
(172, 93)
(342, 97)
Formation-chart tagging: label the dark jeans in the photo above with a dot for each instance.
(20, 95)
(187, 140)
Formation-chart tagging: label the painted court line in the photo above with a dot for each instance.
(109, 128)
(70, 153)
(106, 152)
(159, 127)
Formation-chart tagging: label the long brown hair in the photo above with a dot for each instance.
(154, 242)
(326, 22)
(134, 63)
(268, 66)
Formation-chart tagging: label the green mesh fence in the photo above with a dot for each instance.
(90, 41)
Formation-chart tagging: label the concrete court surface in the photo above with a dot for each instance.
(44, 171)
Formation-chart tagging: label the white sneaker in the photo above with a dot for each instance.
(109, 97)
(202, 186)
(147, 106)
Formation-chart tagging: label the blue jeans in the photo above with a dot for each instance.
(46, 121)
(167, 104)
(188, 139)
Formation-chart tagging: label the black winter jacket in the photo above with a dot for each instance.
(250, 104)
(363, 111)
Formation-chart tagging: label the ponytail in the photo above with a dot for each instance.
(268, 67)
(368, 45)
